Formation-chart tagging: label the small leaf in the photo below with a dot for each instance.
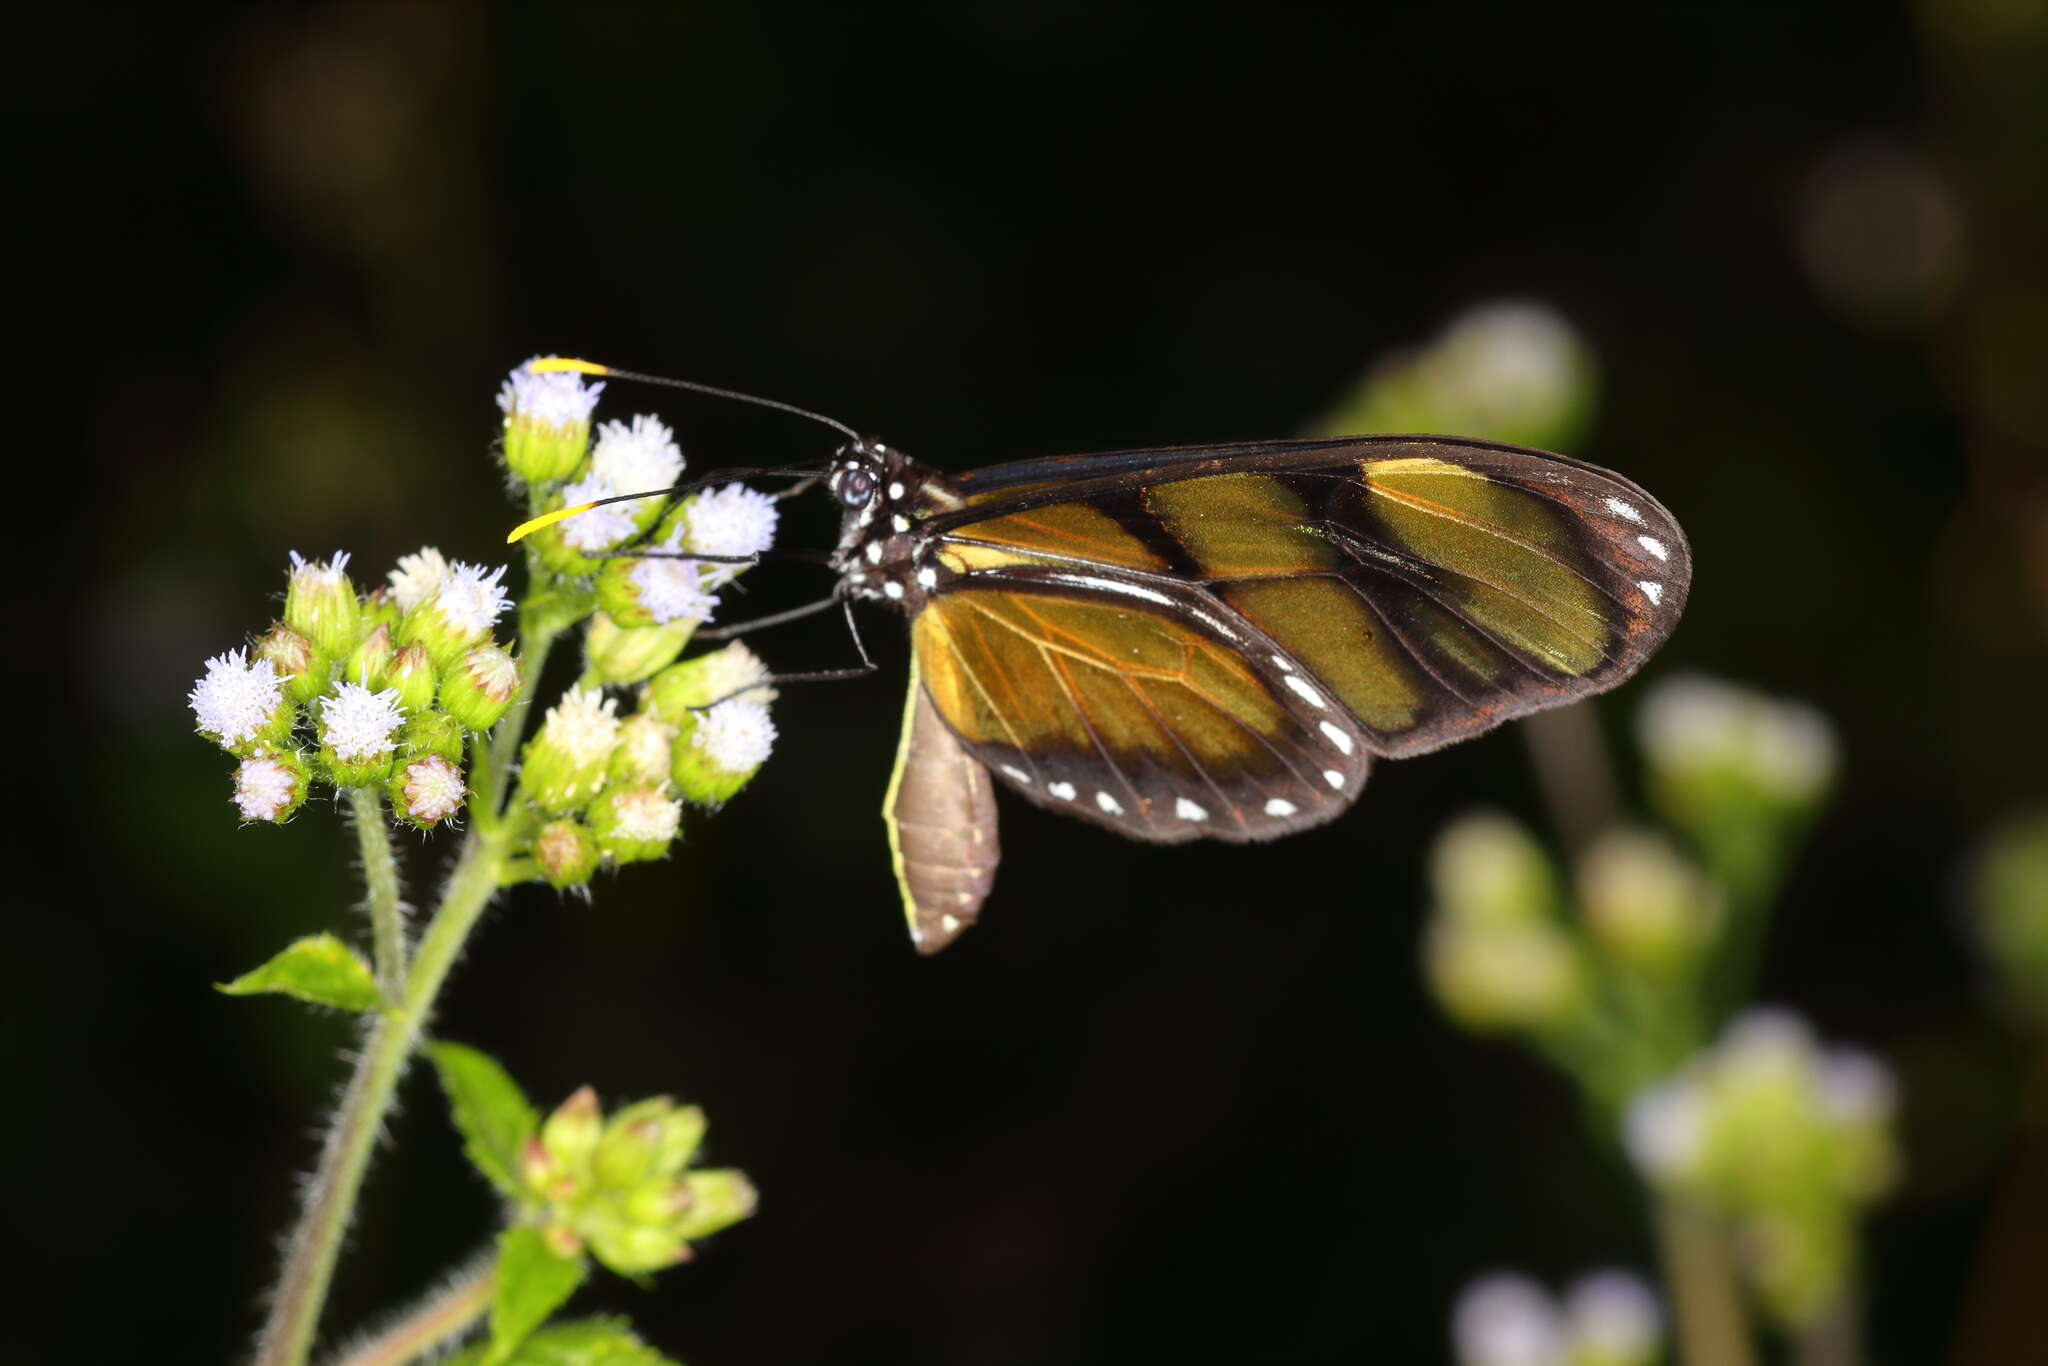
(532, 1283)
(490, 1110)
(320, 969)
(581, 1342)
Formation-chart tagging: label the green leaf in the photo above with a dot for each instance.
(320, 969)
(532, 1283)
(580, 1342)
(490, 1110)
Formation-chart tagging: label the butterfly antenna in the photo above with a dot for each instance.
(553, 364)
(725, 476)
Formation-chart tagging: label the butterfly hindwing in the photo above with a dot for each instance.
(1142, 707)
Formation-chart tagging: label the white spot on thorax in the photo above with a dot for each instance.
(1110, 805)
(1654, 546)
(1337, 735)
(874, 552)
(1653, 591)
(1280, 806)
(1064, 791)
(892, 590)
(895, 490)
(1188, 811)
(1626, 511)
(927, 577)
(1306, 693)
(900, 523)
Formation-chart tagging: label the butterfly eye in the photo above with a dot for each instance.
(856, 488)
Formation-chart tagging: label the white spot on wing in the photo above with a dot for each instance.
(1654, 546)
(895, 490)
(1281, 664)
(1337, 735)
(1110, 805)
(1130, 590)
(1017, 774)
(1334, 778)
(1306, 693)
(950, 924)
(1626, 511)
(1188, 811)
(1653, 591)
(1064, 791)
(1280, 806)
(900, 523)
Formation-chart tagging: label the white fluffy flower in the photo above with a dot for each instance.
(1503, 1320)
(646, 815)
(417, 578)
(235, 699)
(583, 725)
(1665, 1129)
(723, 673)
(1692, 722)
(673, 590)
(358, 724)
(635, 458)
(736, 735)
(732, 520)
(471, 600)
(600, 528)
(314, 573)
(264, 788)
(556, 399)
(1611, 1316)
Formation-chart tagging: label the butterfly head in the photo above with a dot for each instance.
(881, 493)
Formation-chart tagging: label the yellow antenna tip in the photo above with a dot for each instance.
(532, 525)
(549, 365)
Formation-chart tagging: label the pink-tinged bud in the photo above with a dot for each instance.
(370, 659)
(536, 1167)
(478, 688)
(413, 677)
(571, 1132)
(433, 733)
(562, 1240)
(658, 1202)
(321, 604)
(272, 785)
(720, 1197)
(625, 1155)
(292, 656)
(427, 790)
(565, 852)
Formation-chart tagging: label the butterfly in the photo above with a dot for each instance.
(1215, 642)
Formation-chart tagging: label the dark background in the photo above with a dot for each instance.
(1188, 1104)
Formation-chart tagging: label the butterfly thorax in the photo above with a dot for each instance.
(883, 495)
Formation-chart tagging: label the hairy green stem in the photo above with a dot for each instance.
(380, 875)
(287, 1335)
(1705, 1301)
(436, 1319)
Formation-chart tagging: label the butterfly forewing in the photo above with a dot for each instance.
(1208, 629)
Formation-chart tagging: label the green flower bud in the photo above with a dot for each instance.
(547, 424)
(1644, 903)
(657, 1202)
(565, 761)
(626, 1151)
(719, 1198)
(635, 1249)
(571, 1132)
(380, 608)
(565, 852)
(321, 604)
(304, 671)
(412, 676)
(271, 785)
(433, 733)
(634, 823)
(1486, 868)
(721, 749)
(562, 1240)
(2011, 904)
(371, 658)
(543, 1174)
(358, 734)
(706, 679)
(1523, 975)
(642, 753)
(682, 1132)
(478, 688)
(628, 654)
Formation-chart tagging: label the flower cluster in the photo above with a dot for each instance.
(1607, 1318)
(1786, 1140)
(624, 1188)
(363, 688)
(604, 788)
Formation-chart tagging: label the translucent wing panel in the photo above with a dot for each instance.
(1148, 716)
